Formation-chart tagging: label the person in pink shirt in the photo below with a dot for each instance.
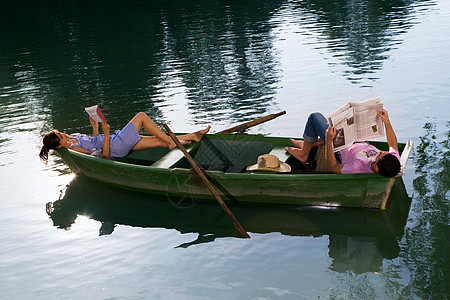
(357, 158)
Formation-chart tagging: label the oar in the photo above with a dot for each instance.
(206, 181)
(241, 128)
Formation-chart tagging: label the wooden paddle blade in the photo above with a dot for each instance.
(206, 181)
(241, 128)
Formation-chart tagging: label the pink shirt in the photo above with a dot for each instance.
(359, 157)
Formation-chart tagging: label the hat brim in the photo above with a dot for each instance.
(283, 168)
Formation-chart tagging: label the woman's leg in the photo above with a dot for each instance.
(316, 127)
(149, 142)
(142, 120)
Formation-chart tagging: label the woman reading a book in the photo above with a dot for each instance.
(357, 158)
(118, 143)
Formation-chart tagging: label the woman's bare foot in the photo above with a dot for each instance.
(173, 145)
(198, 135)
(297, 153)
(297, 143)
(187, 138)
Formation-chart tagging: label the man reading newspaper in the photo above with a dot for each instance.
(354, 125)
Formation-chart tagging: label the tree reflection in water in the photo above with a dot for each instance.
(425, 246)
(359, 34)
(215, 59)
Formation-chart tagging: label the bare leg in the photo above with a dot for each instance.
(315, 128)
(142, 120)
(194, 136)
(300, 154)
(149, 142)
(297, 143)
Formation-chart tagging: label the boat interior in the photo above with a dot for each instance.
(234, 153)
(230, 156)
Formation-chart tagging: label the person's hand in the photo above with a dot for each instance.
(105, 127)
(331, 133)
(383, 114)
(94, 124)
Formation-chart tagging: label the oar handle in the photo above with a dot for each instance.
(241, 128)
(206, 181)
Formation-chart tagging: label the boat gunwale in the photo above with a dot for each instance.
(315, 176)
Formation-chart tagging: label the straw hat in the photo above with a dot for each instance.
(270, 162)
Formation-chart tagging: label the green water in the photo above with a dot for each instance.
(193, 63)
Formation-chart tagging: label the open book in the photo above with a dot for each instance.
(95, 113)
(356, 122)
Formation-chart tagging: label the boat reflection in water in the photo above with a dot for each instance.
(359, 239)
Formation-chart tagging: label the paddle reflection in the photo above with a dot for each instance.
(359, 239)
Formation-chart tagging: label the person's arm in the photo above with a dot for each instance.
(105, 128)
(94, 125)
(331, 160)
(390, 134)
(79, 149)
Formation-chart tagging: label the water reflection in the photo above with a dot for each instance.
(427, 236)
(358, 34)
(225, 55)
(215, 59)
(359, 240)
(217, 56)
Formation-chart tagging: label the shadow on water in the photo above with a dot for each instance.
(425, 245)
(359, 239)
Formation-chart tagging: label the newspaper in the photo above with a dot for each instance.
(356, 122)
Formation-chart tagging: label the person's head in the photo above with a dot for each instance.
(386, 164)
(51, 141)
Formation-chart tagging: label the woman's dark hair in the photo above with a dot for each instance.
(51, 142)
(388, 165)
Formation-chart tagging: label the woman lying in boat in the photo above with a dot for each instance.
(118, 143)
(357, 158)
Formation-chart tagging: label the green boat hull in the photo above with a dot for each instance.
(224, 158)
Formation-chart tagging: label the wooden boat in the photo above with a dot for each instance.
(224, 157)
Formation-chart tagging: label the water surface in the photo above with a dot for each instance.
(221, 63)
